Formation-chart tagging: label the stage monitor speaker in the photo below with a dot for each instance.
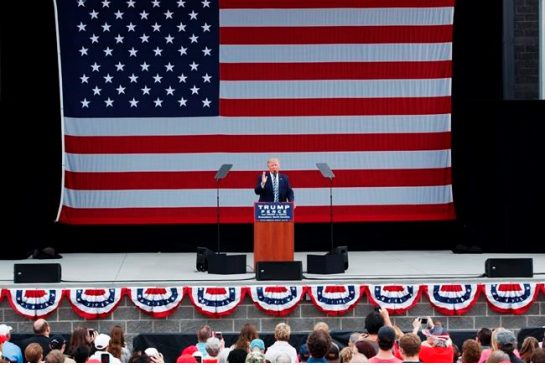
(509, 268)
(279, 270)
(37, 273)
(226, 264)
(325, 264)
(202, 258)
(342, 250)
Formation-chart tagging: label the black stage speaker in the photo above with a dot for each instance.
(279, 270)
(342, 250)
(226, 264)
(509, 268)
(325, 264)
(37, 273)
(202, 258)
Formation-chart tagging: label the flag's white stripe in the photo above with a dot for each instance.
(255, 161)
(256, 126)
(335, 17)
(244, 197)
(334, 89)
(336, 53)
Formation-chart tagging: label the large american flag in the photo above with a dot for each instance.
(158, 94)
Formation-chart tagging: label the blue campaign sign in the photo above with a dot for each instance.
(273, 212)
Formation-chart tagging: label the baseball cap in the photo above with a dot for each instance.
(506, 337)
(257, 343)
(151, 351)
(56, 342)
(5, 329)
(102, 341)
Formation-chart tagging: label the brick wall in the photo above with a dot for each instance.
(186, 319)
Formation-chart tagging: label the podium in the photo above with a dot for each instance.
(273, 232)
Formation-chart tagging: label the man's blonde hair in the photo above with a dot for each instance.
(282, 331)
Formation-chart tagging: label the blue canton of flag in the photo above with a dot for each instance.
(139, 58)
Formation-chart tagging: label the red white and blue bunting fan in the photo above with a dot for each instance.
(157, 302)
(95, 303)
(277, 300)
(515, 298)
(453, 299)
(34, 303)
(216, 301)
(335, 300)
(397, 299)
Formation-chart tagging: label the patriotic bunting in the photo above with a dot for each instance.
(453, 299)
(514, 298)
(277, 300)
(335, 300)
(397, 299)
(95, 303)
(157, 302)
(216, 301)
(34, 303)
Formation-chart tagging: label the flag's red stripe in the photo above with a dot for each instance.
(338, 106)
(259, 143)
(337, 34)
(372, 213)
(306, 4)
(247, 179)
(336, 70)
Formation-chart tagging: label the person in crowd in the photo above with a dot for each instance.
(498, 356)
(346, 354)
(333, 354)
(257, 344)
(373, 322)
(409, 347)
(81, 354)
(237, 356)
(507, 342)
(318, 343)
(282, 358)
(81, 336)
(54, 356)
(282, 332)
(213, 348)
(538, 356)
(471, 351)
(484, 338)
(255, 357)
(248, 333)
(190, 351)
(529, 345)
(102, 342)
(34, 353)
(438, 345)
(41, 330)
(386, 337)
(118, 347)
(354, 337)
(154, 355)
(321, 326)
(10, 351)
(365, 348)
(203, 334)
(58, 342)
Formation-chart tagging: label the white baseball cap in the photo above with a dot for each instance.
(5, 329)
(151, 351)
(102, 341)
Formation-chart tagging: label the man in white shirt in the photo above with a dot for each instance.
(282, 333)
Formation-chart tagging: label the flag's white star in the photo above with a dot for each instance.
(194, 90)
(106, 27)
(205, 4)
(168, 14)
(183, 102)
(144, 15)
(94, 14)
(133, 78)
(169, 67)
(120, 90)
(94, 38)
(182, 50)
(194, 66)
(95, 67)
(118, 14)
(157, 78)
(206, 78)
(130, 4)
(205, 27)
(181, 3)
(105, 4)
(158, 51)
(84, 79)
(145, 66)
(108, 51)
(108, 79)
(182, 78)
(144, 38)
(194, 38)
(193, 15)
(156, 4)
(206, 103)
(206, 51)
(181, 27)
(96, 90)
(132, 52)
(119, 66)
(134, 103)
(81, 27)
(83, 51)
(170, 90)
(109, 102)
(156, 27)
(158, 103)
(81, 3)
(119, 39)
(130, 27)
(145, 90)
(169, 38)
(85, 103)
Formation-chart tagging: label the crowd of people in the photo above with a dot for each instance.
(381, 342)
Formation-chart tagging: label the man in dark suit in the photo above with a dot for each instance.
(272, 186)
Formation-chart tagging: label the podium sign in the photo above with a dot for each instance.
(273, 232)
(273, 212)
